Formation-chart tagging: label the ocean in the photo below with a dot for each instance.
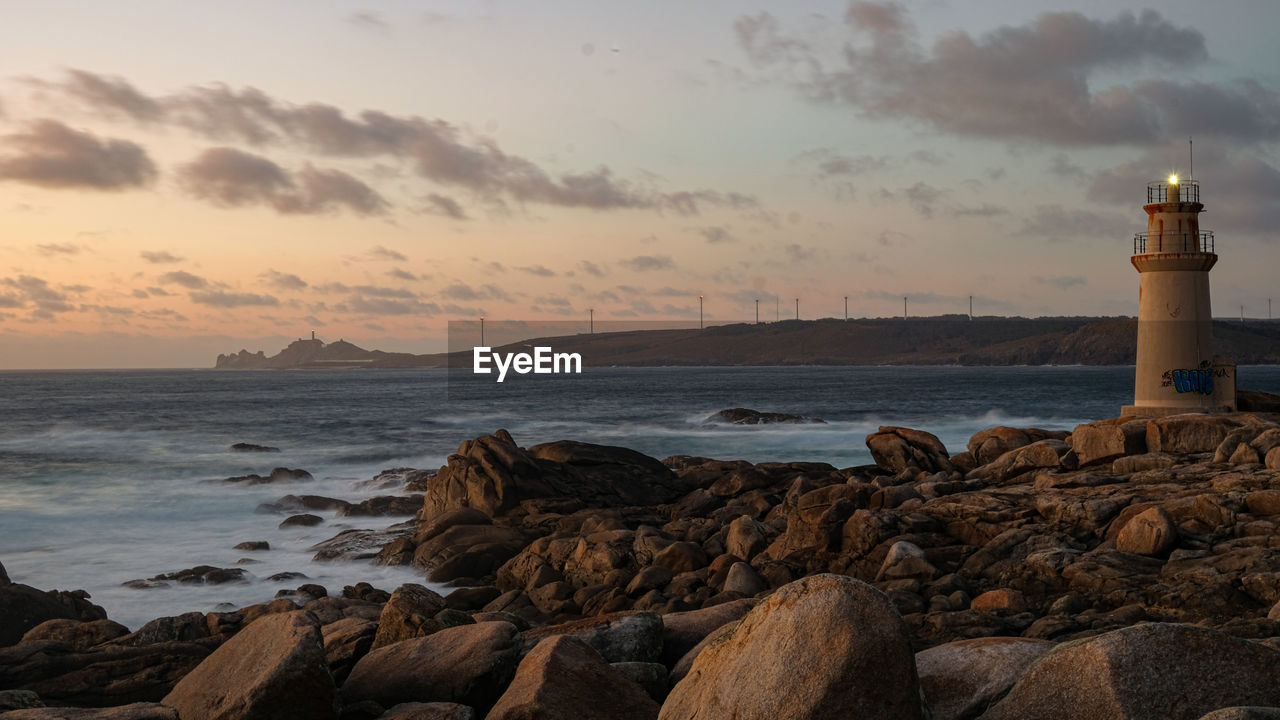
(110, 476)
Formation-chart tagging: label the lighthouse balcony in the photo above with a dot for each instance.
(1187, 191)
(1173, 242)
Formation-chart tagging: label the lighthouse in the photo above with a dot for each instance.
(1176, 371)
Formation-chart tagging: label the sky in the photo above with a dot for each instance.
(183, 179)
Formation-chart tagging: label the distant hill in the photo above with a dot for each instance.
(947, 340)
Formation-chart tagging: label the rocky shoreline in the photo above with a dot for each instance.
(1129, 568)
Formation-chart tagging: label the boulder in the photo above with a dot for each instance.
(747, 416)
(617, 637)
(1190, 432)
(746, 537)
(1106, 440)
(4, 577)
(467, 551)
(905, 560)
(408, 613)
(78, 634)
(826, 646)
(1150, 532)
(273, 669)
(1155, 670)
(345, 642)
(303, 520)
(18, 700)
(185, 627)
(1244, 713)
(744, 580)
(133, 711)
(681, 631)
(429, 711)
(987, 445)
(961, 678)
(1040, 455)
(23, 607)
(106, 675)
(251, 447)
(897, 448)
(562, 677)
(468, 664)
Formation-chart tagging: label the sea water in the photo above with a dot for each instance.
(112, 476)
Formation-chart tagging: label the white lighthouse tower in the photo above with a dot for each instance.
(1176, 371)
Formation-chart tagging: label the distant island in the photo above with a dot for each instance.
(945, 340)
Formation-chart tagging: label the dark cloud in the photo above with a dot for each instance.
(716, 234)
(465, 292)
(45, 300)
(1058, 223)
(539, 270)
(641, 263)
(799, 253)
(1042, 81)
(369, 20)
(222, 299)
(285, 281)
(1062, 282)
(400, 274)
(383, 253)
(141, 294)
(160, 257)
(52, 155)
(591, 268)
(437, 150)
(1238, 188)
(985, 210)
(1062, 166)
(388, 306)
(159, 292)
(228, 177)
(185, 279)
(59, 249)
(829, 163)
(435, 204)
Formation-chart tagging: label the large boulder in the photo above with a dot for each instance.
(468, 551)
(78, 634)
(897, 448)
(106, 675)
(494, 475)
(1105, 440)
(23, 607)
(429, 711)
(1040, 455)
(562, 677)
(468, 664)
(1190, 433)
(409, 613)
(987, 445)
(1152, 671)
(132, 711)
(617, 637)
(961, 678)
(273, 669)
(1150, 532)
(826, 646)
(681, 631)
(1243, 713)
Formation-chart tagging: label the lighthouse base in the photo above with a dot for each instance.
(1162, 410)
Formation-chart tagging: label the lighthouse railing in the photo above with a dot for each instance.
(1185, 191)
(1201, 242)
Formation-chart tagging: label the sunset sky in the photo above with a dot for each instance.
(183, 179)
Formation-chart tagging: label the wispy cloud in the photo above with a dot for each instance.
(49, 154)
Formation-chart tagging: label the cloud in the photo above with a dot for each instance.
(382, 253)
(369, 20)
(436, 149)
(46, 300)
(1058, 223)
(643, 263)
(185, 279)
(59, 249)
(985, 210)
(591, 268)
(463, 291)
(160, 257)
(228, 177)
(1062, 282)
(799, 253)
(435, 204)
(400, 274)
(51, 155)
(1044, 81)
(538, 270)
(830, 163)
(285, 281)
(387, 306)
(715, 234)
(222, 299)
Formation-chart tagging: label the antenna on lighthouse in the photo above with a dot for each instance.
(1191, 156)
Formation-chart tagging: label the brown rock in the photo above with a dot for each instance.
(895, 449)
(1044, 454)
(273, 669)
(408, 614)
(962, 678)
(107, 675)
(617, 637)
(1001, 600)
(429, 711)
(1190, 433)
(1244, 713)
(134, 711)
(468, 664)
(1273, 459)
(345, 642)
(467, 551)
(1106, 440)
(681, 631)
(905, 560)
(23, 607)
(562, 677)
(869, 672)
(746, 537)
(1153, 670)
(78, 634)
(1151, 532)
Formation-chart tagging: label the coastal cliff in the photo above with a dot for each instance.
(948, 340)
